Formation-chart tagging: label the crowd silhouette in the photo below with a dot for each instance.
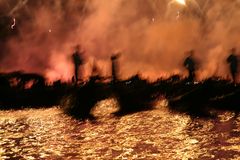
(189, 63)
(232, 60)
(133, 94)
(136, 94)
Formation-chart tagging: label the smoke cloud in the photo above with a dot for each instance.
(152, 35)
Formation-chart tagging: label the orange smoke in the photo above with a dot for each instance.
(49, 30)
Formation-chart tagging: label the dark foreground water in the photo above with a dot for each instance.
(156, 134)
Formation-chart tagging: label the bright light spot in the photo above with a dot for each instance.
(182, 2)
(14, 23)
(49, 30)
(153, 19)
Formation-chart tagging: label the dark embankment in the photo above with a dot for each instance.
(28, 90)
(199, 99)
(20, 90)
(134, 95)
(82, 99)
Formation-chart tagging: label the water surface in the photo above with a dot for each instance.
(156, 134)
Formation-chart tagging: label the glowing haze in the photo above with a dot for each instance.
(153, 35)
(181, 2)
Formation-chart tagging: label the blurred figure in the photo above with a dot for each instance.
(95, 75)
(189, 64)
(233, 63)
(77, 60)
(114, 59)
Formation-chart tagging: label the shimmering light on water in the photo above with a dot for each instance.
(156, 134)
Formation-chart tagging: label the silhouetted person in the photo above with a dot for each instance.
(233, 63)
(77, 60)
(114, 59)
(189, 63)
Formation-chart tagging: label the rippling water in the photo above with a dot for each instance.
(156, 134)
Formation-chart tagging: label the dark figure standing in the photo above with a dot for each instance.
(190, 66)
(77, 60)
(233, 64)
(114, 59)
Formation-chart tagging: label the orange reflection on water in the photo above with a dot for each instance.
(156, 134)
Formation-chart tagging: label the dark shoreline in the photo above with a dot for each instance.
(133, 95)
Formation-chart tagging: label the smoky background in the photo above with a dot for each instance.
(152, 35)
